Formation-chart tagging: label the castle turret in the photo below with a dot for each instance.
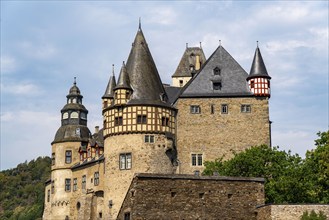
(139, 127)
(72, 134)
(109, 93)
(123, 90)
(190, 63)
(258, 79)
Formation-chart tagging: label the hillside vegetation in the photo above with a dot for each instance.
(22, 190)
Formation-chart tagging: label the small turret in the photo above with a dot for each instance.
(109, 93)
(258, 79)
(123, 90)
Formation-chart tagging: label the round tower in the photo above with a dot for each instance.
(258, 79)
(139, 126)
(72, 134)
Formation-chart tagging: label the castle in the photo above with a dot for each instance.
(146, 161)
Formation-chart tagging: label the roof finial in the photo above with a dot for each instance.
(75, 81)
(140, 24)
(257, 44)
(220, 42)
(186, 45)
(200, 44)
(113, 69)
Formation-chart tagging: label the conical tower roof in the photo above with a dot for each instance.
(123, 81)
(258, 68)
(110, 86)
(143, 74)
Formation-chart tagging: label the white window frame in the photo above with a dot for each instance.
(195, 109)
(125, 161)
(245, 108)
(224, 109)
(196, 159)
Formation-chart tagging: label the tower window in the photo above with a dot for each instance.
(196, 159)
(127, 95)
(141, 119)
(125, 161)
(96, 178)
(217, 71)
(65, 115)
(149, 139)
(165, 121)
(195, 109)
(83, 183)
(217, 85)
(67, 185)
(245, 108)
(68, 156)
(192, 67)
(75, 184)
(127, 216)
(52, 187)
(118, 121)
(74, 115)
(83, 115)
(212, 109)
(180, 83)
(53, 159)
(48, 195)
(252, 84)
(224, 109)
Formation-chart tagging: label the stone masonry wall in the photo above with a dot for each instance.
(289, 212)
(215, 134)
(153, 196)
(146, 158)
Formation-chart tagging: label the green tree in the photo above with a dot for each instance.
(316, 168)
(313, 216)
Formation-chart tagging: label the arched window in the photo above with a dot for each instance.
(65, 115)
(74, 115)
(217, 71)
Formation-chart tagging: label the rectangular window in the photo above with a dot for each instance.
(252, 84)
(96, 178)
(52, 187)
(127, 216)
(48, 195)
(83, 185)
(217, 85)
(245, 108)
(118, 121)
(125, 161)
(53, 159)
(196, 159)
(67, 185)
(141, 119)
(212, 109)
(149, 139)
(68, 156)
(165, 121)
(195, 109)
(224, 109)
(180, 83)
(75, 184)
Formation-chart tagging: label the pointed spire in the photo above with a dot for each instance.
(258, 68)
(75, 81)
(140, 24)
(143, 74)
(123, 81)
(110, 86)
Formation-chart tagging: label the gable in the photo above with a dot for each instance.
(221, 76)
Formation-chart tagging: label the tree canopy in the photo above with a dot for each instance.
(288, 178)
(22, 190)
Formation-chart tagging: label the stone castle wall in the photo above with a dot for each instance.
(289, 212)
(153, 196)
(214, 134)
(145, 157)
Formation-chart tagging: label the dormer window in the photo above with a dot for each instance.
(217, 85)
(65, 115)
(217, 71)
(74, 100)
(192, 67)
(74, 115)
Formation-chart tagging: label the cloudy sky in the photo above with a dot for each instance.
(45, 44)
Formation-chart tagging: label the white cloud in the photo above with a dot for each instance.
(8, 64)
(21, 88)
(161, 15)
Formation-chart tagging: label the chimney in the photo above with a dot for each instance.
(96, 129)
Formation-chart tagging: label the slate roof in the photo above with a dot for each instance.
(172, 92)
(143, 74)
(87, 162)
(97, 138)
(123, 81)
(258, 68)
(110, 86)
(188, 59)
(232, 78)
(68, 133)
